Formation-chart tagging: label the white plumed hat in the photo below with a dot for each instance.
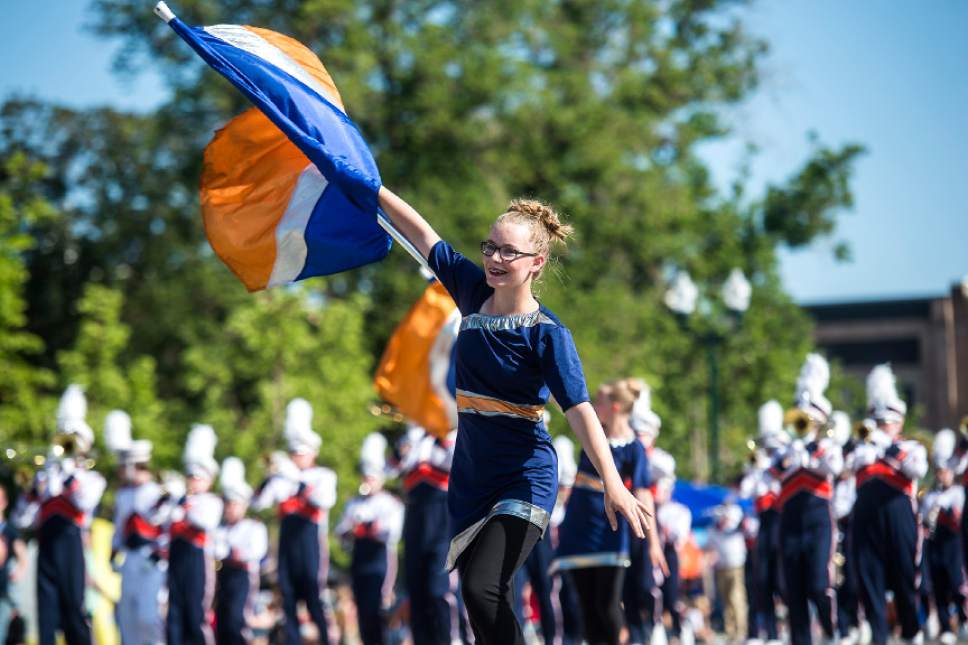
(841, 427)
(71, 413)
(770, 418)
(299, 434)
(883, 402)
(943, 448)
(199, 456)
(642, 419)
(567, 468)
(117, 431)
(662, 465)
(232, 480)
(373, 458)
(811, 385)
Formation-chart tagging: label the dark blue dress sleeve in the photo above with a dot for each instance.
(562, 368)
(641, 472)
(463, 279)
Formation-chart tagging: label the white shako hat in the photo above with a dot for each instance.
(883, 402)
(298, 432)
(943, 449)
(71, 413)
(199, 456)
(642, 419)
(567, 468)
(840, 422)
(770, 426)
(117, 436)
(232, 481)
(662, 465)
(373, 458)
(811, 385)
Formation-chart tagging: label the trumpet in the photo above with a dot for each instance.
(963, 434)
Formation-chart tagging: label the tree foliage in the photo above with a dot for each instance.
(597, 107)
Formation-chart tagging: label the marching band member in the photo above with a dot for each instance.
(240, 545)
(942, 509)
(372, 522)
(136, 535)
(845, 493)
(60, 506)
(192, 521)
(304, 492)
(589, 551)
(674, 522)
(885, 540)
(761, 484)
(806, 468)
(569, 609)
(424, 467)
(641, 594)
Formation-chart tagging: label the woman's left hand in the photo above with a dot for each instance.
(619, 499)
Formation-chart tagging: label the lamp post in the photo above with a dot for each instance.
(710, 328)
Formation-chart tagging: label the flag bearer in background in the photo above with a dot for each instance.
(59, 506)
(589, 551)
(191, 525)
(135, 542)
(806, 468)
(304, 492)
(241, 545)
(372, 523)
(885, 539)
(941, 510)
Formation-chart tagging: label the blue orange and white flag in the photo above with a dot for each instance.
(415, 374)
(289, 188)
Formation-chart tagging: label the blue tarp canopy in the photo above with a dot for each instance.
(702, 499)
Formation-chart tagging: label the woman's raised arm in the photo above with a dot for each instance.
(408, 221)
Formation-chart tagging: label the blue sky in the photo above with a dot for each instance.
(885, 73)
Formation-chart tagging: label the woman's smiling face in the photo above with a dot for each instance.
(511, 273)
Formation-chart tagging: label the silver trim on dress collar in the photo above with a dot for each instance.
(502, 323)
(528, 512)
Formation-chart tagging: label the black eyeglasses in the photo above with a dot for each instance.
(508, 253)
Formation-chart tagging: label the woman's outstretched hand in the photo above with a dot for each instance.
(618, 499)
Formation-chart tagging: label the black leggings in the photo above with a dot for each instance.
(486, 571)
(600, 594)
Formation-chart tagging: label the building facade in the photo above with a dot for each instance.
(924, 339)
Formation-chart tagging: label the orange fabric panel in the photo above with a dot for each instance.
(304, 57)
(249, 172)
(691, 561)
(403, 376)
(487, 404)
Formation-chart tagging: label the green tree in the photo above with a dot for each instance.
(22, 382)
(596, 107)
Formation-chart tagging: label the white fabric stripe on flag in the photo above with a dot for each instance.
(291, 230)
(249, 41)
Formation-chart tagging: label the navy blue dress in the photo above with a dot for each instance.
(585, 538)
(506, 368)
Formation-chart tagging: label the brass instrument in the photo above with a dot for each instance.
(752, 448)
(863, 429)
(798, 420)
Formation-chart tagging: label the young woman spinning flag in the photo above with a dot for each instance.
(512, 353)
